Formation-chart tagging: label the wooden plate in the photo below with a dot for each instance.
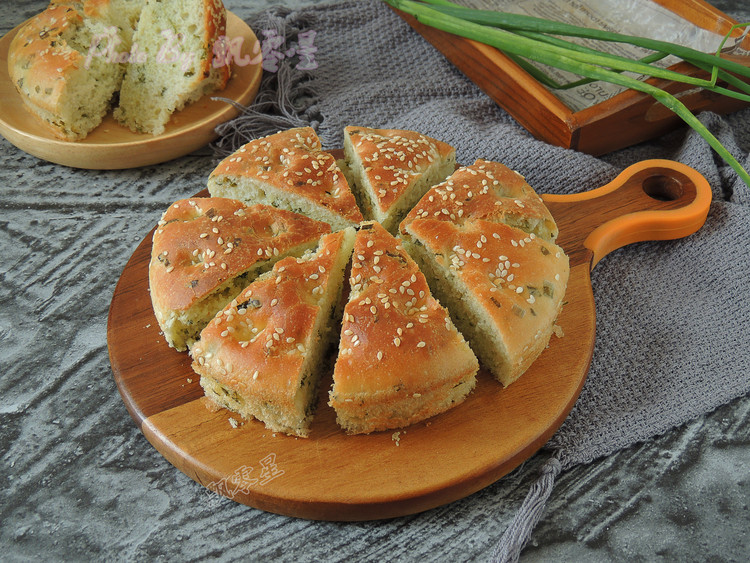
(333, 476)
(112, 146)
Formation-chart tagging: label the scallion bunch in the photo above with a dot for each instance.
(527, 38)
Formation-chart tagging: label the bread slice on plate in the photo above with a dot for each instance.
(391, 169)
(69, 61)
(486, 190)
(50, 66)
(175, 39)
(263, 354)
(401, 359)
(290, 170)
(503, 286)
(206, 250)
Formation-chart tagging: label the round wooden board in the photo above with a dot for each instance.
(112, 146)
(333, 476)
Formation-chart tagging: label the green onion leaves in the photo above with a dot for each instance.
(527, 38)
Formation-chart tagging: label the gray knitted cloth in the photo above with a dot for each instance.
(672, 340)
(80, 481)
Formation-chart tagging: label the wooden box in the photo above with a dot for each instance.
(623, 120)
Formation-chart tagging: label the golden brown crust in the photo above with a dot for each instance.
(517, 279)
(202, 242)
(257, 345)
(394, 159)
(39, 59)
(293, 161)
(216, 27)
(485, 190)
(397, 342)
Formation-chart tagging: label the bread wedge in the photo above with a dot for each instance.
(401, 359)
(176, 38)
(503, 286)
(490, 191)
(50, 64)
(288, 170)
(391, 169)
(264, 354)
(206, 250)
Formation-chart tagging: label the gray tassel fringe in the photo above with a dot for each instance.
(284, 97)
(508, 549)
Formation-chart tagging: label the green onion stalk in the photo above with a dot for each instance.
(525, 38)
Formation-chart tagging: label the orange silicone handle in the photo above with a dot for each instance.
(650, 200)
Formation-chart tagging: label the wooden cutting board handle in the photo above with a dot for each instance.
(650, 200)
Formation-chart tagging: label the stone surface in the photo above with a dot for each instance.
(82, 483)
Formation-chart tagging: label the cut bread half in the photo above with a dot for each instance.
(206, 250)
(391, 169)
(58, 65)
(175, 39)
(401, 359)
(503, 286)
(70, 61)
(490, 191)
(288, 170)
(263, 355)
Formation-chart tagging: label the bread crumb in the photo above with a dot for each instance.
(557, 329)
(396, 436)
(233, 423)
(189, 380)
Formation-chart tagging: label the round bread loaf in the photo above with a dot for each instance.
(481, 241)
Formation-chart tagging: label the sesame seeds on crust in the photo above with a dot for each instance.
(201, 242)
(292, 161)
(485, 190)
(392, 325)
(394, 160)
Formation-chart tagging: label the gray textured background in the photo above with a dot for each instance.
(82, 483)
